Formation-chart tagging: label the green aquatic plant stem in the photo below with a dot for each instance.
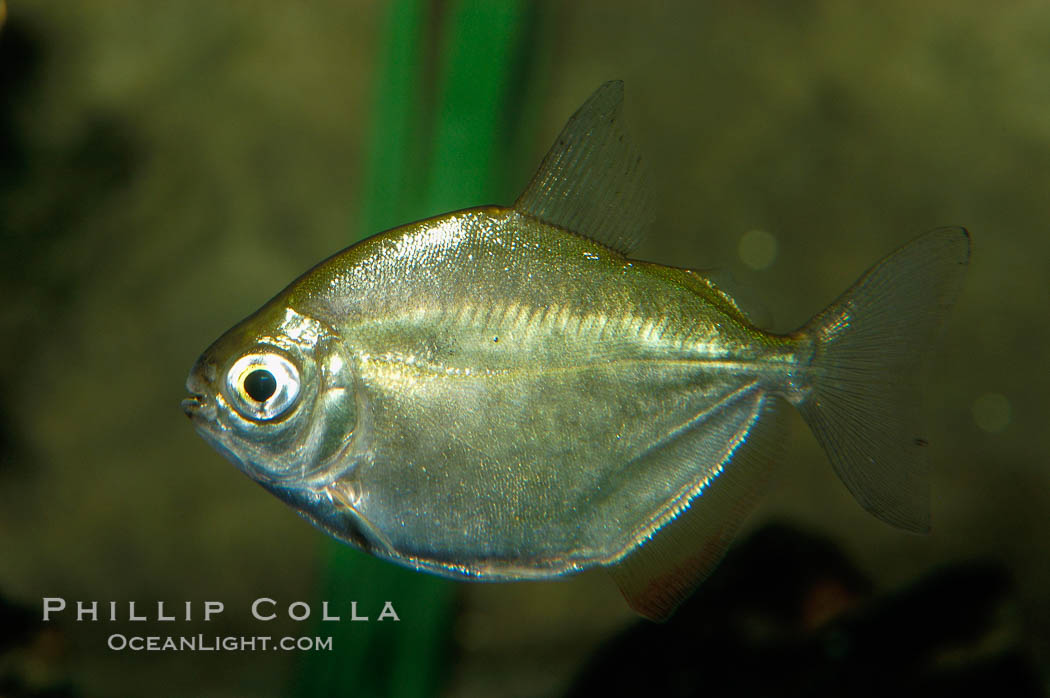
(426, 156)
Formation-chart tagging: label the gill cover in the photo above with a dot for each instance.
(285, 406)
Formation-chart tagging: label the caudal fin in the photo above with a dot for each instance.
(862, 393)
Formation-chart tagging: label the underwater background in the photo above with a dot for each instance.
(166, 168)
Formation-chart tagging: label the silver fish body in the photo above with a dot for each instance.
(492, 395)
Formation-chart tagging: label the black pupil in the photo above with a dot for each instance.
(260, 385)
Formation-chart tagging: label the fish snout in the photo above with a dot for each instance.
(198, 407)
(200, 404)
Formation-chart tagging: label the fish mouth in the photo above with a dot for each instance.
(197, 406)
(200, 410)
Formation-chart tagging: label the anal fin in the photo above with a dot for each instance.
(666, 569)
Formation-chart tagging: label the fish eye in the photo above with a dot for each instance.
(263, 385)
(260, 384)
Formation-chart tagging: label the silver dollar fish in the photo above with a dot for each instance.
(503, 394)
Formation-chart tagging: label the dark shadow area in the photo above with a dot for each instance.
(787, 614)
(30, 655)
(50, 184)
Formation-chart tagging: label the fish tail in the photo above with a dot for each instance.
(860, 392)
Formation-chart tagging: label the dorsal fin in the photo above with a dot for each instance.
(592, 182)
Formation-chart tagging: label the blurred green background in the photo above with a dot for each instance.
(165, 168)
